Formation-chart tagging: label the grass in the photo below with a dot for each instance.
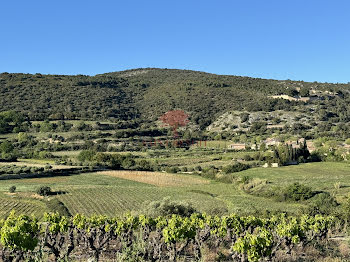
(320, 176)
(66, 153)
(36, 161)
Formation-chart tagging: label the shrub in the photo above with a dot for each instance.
(167, 207)
(346, 208)
(250, 185)
(245, 179)
(12, 189)
(8, 157)
(322, 203)
(54, 205)
(128, 163)
(47, 167)
(44, 154)
(210, 172)
(198, 168)
(247, 157)
(315, 157)
(144, 165)
(86, 155)
(172, 169)
(227, 178)
(235, 168)
(44, 191)
(298, 192)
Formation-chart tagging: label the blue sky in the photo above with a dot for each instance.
(282, 39)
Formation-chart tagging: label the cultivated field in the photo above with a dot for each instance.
(117, 192)
(109, 195)
(157, 178)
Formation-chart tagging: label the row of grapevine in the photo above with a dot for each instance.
(163, 238)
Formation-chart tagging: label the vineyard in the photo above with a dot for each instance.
(25, 206)
(96, 193)
(170, 238)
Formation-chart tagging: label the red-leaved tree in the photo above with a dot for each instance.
(175, 119)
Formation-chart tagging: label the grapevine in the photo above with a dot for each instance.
(164, 238)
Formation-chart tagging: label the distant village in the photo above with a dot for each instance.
(276, 142)
(269, 142)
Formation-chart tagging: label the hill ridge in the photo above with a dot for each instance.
(146, 93)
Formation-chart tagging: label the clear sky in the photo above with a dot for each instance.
(282, 39)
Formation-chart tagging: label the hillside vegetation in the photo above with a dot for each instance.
(145, 94)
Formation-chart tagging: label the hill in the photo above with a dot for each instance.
(144, 94)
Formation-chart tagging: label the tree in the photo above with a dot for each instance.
(10, 121)
(298, 192)
(12, 189)
(22, 137)
(86, 155)
(44, 191)
(6, 147)
(7, 151)
(175, 119)
(46, 126)
(292, 92)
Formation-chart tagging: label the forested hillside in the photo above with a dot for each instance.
(147, 93)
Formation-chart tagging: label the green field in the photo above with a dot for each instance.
(98, 193)
(322, 176)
